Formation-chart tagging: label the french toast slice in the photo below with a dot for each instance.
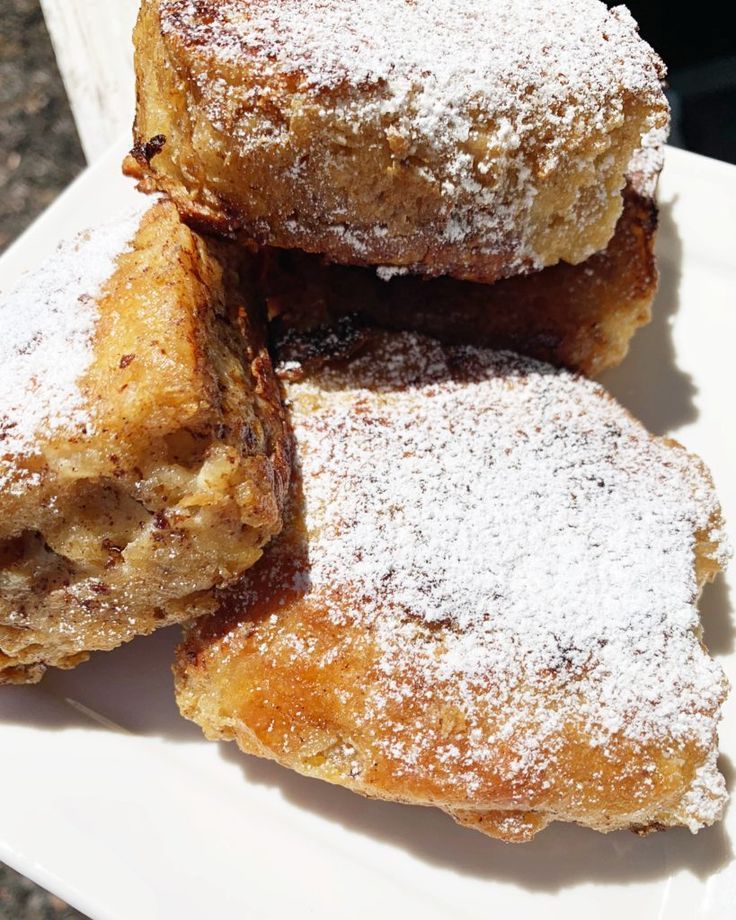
(484, 599)
(578, 316)
(143, 457)
(479, 139)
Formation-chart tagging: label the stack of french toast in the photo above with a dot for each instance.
(324, 395)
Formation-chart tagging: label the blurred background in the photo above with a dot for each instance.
(697, 41)
(40, 153)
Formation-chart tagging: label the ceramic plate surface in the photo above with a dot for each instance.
(118, 805)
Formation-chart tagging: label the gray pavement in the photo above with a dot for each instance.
(39, 149)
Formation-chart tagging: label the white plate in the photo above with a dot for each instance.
(118, 805)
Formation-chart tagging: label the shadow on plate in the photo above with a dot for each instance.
(716, 614)
(649, 383)
(131, 689)
(559, 857)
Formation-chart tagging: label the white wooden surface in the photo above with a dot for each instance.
(93, 45)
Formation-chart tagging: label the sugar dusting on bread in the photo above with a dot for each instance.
(523, 62)
(48, 322)
(509, 533)
(501, 93)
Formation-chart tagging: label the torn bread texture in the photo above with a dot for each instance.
(143, 458)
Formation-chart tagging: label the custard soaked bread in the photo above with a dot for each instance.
(580, 316)
(485, 600)
(143, 458)
(475, 138)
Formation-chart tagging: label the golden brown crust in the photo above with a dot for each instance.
(237, 677)
(294, 669)
(246, 139)
(177, 481)
(582, 317)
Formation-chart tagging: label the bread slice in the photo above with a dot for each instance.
(484, 600)
(143, 458)
(578, 316)
(474, 138)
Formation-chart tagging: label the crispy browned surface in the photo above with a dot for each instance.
(580, 316)
(180, 484)
(277, 672)
(241, 147)
(237, 676)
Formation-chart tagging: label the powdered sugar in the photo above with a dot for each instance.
(48, 324)
(703, 802)
(447, 58)
(508, 532)
(647, 163)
